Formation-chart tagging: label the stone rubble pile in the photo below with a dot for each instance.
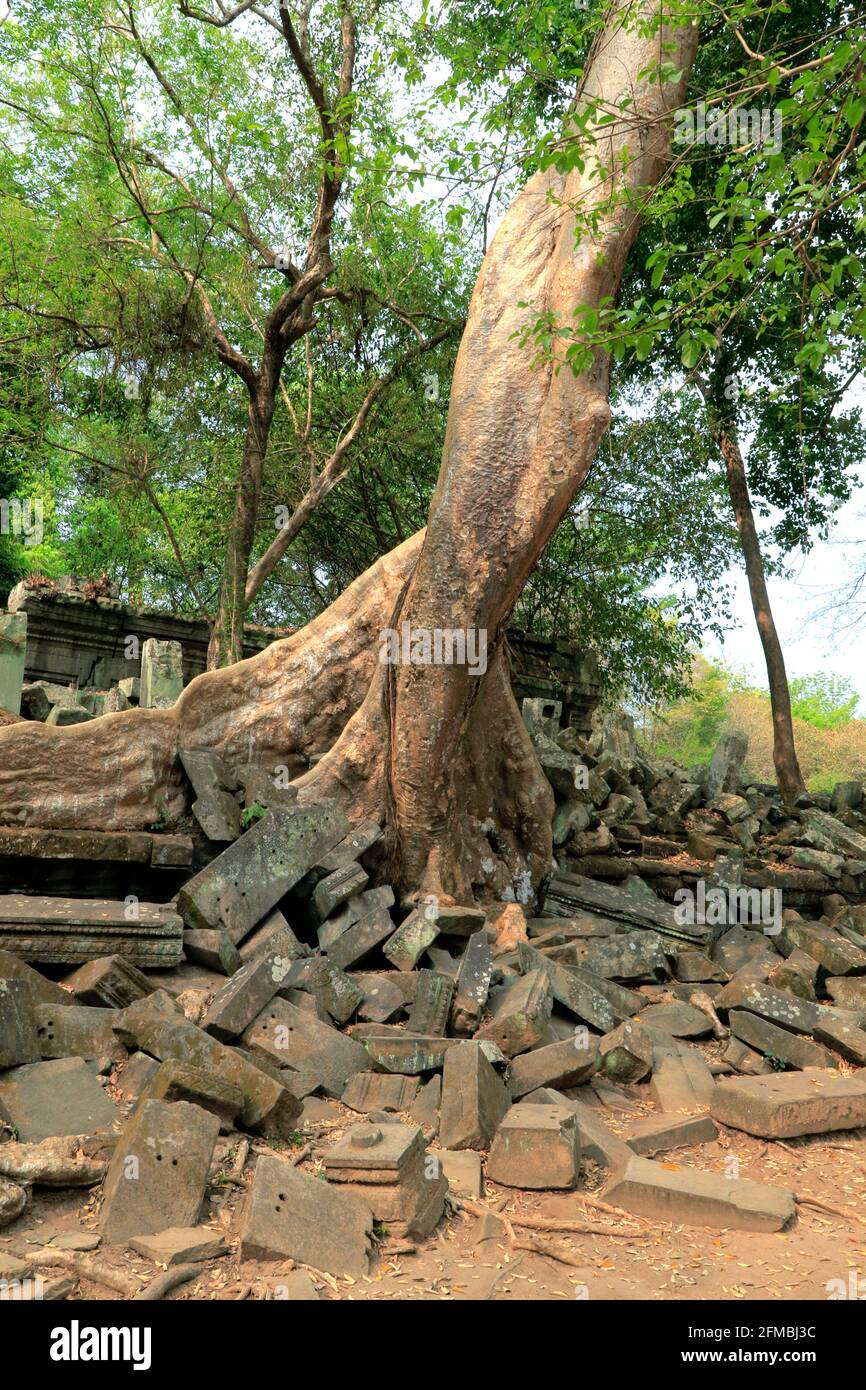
(455, 1044)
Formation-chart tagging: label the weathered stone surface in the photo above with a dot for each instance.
(13, 1200)
(72, 930)
(536, 1146)
(679, 1020)
(425, 1110)
(771, 1041)
(745, 1059)
(566, 1063)
(269, 1106)
(358, 941)
(652, 1136)
(408, 1053)
(75, 1031)
(273, 936)
(44, 991)
(463, 1171)
(13, 649)
(413, 936)
(681, 1082)
(695, 967)
(571, 894)
(578, 992)
(359, 839)
(627, 1053)
(373, 1090)
(387, 1165)
(796, 975)
(460, 921)
(215, 808)
(520, 1014)
(135, 1075)
(180, 1245)
(848, 992)
(845, 1038)
(161, 674)
(634, 955)
(786, 1104)
(214, 949)
(736, 947)
(381, 995)
(61, 716)
(290, 1215)
(179, 1081)
(290, 1037)
(158, 1172)
(473, 985)
(474, 1099)
(238, 888)
(337, 888)
(61, 1097)
(726, 764)
(335, 992)
(688, 1197)
(109, 983)
(243, 997)
(432, 1003)
(362, 905)
(19, 1041)
(826, 946)
(797, 1015)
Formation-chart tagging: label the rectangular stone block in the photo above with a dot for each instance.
(161, 673)
(432, 1003)
(473, 985)
(652, 1136)
(789, 1048)
(75, 1031)
(786, 1104)
(358, 941)
(340, 885)
(412, 937)
(688, 1197)
(474, 1099)
(682, 1081)
(290, 1215)
(373, 1090)
(237, 889)
(108, 983)
(520, 1014)
(336, 993)
(243, 997)
(536, 1147)
(291, 1037)
(19, 1041)
(158, 1172)
(566, 1063)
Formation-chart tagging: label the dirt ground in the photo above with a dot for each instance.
(636, 1260)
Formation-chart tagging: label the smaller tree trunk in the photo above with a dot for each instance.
(788, 773)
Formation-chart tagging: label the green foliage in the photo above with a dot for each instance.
(825, 701)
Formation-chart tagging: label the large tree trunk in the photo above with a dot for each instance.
(438, 753)
(788, 773)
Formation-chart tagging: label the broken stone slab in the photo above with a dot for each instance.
(75, 1031)
(848, 992)
(381, 995)
(68, 931)
(215, 808)
(13, 651)
(241, 885)
(135, 1075)
(536, 1147)
(180, 1245)
(772, 1042)
(432, 1003)
(745, 1059)
(844, 1037)
(62, 716)
(520, 1014)
(796, 975)
(678, 1020)
(179, 1081)
(269, 1106)
(566, 1063)
(335, 889)
(387, 1165)
(291, 1037)
(161, 674)
(682, 1082)
(358, 941)
(797, 1015)
(19, 1041)
(44, 991)
(830, 833)
(786, 1104)
(47, 1099)
(413, 936)
(695, 967)
(243, 997)
(634, 955)
(407, 1053)
(826, 946)
(626, 1054)
(358, 841)
(726, 765)
(472, 986)
(362, 905)
(108, 983)
(158, 1172)
(462, 1168)
(631, 901)
(289, 1215)
(214, 949)
(474, 1099)
(599, 1002)
(846, 796)
(335, 992)
(273, 936)
(373, 1090)
(688, 1197)
(737, 947)
(652, 1136)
